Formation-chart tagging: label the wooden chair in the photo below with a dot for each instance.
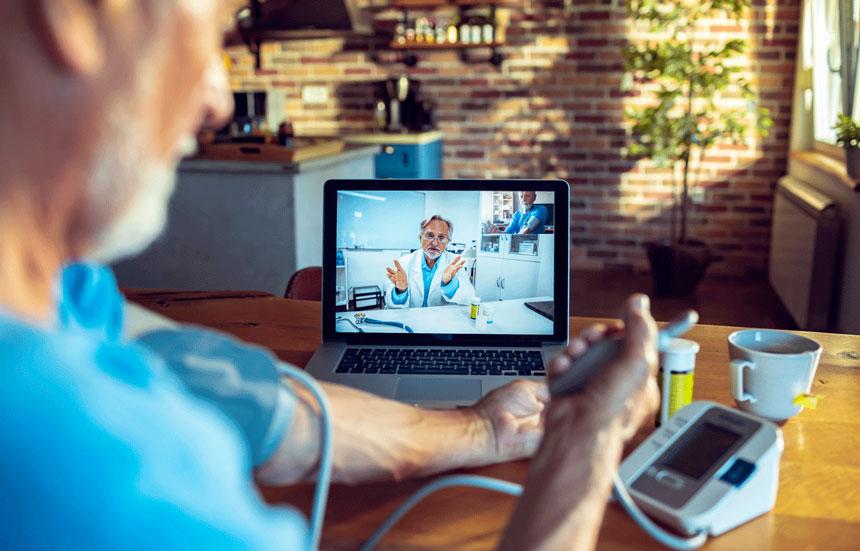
(305, 284)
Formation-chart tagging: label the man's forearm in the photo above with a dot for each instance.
(565, 512)
(378, 439)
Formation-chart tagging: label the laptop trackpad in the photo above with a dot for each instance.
(430, 389)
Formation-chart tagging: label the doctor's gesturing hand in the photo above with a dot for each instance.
(398, 277)
(452, 269)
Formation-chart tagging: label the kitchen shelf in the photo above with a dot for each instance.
(443, 46)
(443, 3)
(409, 49)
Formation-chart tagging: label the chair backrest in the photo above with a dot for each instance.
(305, 284)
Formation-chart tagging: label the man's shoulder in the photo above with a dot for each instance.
(540, 212)
(99, 425)
(24, 344)
(60, 355)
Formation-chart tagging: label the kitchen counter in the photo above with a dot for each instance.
(383, 138)
(243, 224)
(212, 164)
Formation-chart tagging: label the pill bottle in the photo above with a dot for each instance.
(677, 369)
(475, 306)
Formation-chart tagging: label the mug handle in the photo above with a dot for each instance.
(736, 370)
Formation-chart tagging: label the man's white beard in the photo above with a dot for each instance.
(433, 255)
(130, 191)
(142, 221)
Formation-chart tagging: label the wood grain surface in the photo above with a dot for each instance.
(818, 505)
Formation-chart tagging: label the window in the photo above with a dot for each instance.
(822, 57)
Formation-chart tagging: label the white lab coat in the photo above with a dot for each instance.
(412, 264)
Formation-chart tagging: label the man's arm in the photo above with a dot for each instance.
(399, 297)
(569, 483)
(379, 439)
(450, 289)
(513, 227)
(537, 216)
(571, 475)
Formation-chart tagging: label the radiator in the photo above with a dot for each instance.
(803, 250)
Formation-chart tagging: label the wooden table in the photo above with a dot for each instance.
(818, 506)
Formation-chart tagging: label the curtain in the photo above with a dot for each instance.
(848, 45)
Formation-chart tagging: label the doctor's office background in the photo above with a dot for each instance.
(376, 227)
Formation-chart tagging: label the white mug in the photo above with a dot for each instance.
(769, 369)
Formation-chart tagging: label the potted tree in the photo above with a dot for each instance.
(684, 82)
(848, 136)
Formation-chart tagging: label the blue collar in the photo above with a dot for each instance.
(426, 266)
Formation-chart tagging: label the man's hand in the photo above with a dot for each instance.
(398, 277)
(378, 439)
(626, 389)
(514, 417)
(452, 269)
(571, 474)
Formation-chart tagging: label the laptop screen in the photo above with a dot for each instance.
(450, 261)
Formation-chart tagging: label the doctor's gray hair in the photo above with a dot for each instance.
(437, 217)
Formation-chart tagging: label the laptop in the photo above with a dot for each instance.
(427, 286)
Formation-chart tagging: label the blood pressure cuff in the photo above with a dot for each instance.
(239, 379)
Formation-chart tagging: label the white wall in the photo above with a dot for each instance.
(368, 267)
(462, 208)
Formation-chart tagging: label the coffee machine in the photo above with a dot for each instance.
(250, 120)
(401, 108)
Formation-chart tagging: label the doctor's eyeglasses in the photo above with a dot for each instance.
(430, 236)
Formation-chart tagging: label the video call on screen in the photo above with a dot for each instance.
(482, 263)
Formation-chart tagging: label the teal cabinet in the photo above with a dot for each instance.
(405, 155)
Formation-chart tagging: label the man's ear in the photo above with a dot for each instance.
(70, 32)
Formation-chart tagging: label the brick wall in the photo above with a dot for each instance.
(555, 109)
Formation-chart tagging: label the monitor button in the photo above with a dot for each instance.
(738, 473)
(670, 480)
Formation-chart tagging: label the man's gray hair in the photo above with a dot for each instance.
(437, 217)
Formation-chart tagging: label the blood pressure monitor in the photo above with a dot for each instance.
(709, 469)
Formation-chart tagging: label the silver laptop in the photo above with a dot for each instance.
(427, 285)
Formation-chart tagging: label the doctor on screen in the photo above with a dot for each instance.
(430, 276)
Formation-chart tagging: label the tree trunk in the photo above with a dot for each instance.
(685, 197)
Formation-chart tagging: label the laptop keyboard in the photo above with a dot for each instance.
(442, 361)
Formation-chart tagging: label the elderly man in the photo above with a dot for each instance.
(107, 444)
(417, 279)
(530, 218)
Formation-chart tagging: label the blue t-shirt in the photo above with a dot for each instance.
(522, 220)
(104, 446)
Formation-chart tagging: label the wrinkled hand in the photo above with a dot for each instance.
(514, 416)
(626, 389)
(570, 477)
(452, 269)
(398, 276)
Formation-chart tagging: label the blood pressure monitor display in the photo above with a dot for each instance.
(710, 469)
(701, 449)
